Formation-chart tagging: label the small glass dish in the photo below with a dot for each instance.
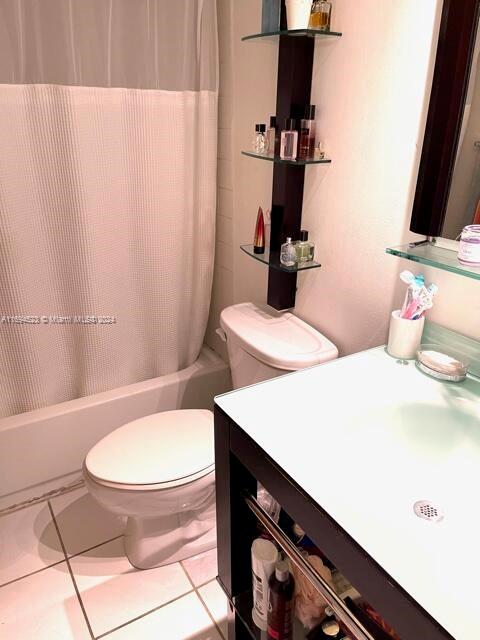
(442, 362)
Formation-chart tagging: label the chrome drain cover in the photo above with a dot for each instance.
(428, 511)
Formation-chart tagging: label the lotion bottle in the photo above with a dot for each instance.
(264, 558)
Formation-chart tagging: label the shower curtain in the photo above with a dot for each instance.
(108, 118)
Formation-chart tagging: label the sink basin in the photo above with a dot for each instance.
(367, 438)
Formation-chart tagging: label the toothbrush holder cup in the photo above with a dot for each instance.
(404, 336)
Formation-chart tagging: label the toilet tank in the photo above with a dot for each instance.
(263, 343)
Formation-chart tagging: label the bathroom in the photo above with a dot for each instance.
(64, 572)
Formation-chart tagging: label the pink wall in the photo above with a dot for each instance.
(371, 88)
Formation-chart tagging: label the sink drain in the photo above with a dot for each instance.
(428, 511)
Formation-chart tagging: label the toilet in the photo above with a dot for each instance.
(158, 471)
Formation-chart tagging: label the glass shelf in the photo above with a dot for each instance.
(435, 256)
(273, 260)
(309, 33)
(278, 160)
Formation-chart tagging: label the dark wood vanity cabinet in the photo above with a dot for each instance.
(240, 464)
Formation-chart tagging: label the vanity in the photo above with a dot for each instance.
(380, 465)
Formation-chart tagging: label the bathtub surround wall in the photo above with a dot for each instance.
(107, 197)
(371, 88)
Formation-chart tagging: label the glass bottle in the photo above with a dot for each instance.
(319, 151)
(288, 256)
(288, 141)
(272, 135)
(304, 248)
(320, 15)
(260, 139)
(306, 146)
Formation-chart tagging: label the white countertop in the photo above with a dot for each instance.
(366, 438)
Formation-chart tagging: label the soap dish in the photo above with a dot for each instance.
(442, 363)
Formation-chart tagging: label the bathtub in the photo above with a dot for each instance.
(44, 449)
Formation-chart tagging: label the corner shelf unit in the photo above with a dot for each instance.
(272, 259)
(294, 80)
(299, 162)
(432, 255)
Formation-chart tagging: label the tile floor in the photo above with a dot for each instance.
(63, 576)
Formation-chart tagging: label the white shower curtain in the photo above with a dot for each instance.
(107, 193)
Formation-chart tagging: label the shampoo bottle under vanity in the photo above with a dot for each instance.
(280, 603)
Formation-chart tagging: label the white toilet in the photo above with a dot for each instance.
(158, 471)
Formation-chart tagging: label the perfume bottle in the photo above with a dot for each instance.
(288, 141)
(306, 146)
(272, 135)
(288, 256)
(260, 139)
(304, 249)
(259, 238)
(320, 15)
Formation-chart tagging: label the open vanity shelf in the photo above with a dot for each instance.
(309, 33)
(432, 255)
(294, 80)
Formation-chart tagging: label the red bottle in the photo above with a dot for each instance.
(280, 603)
(259, 239)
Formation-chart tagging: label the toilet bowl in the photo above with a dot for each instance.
(158, 471)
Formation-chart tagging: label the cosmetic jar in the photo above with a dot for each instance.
(469, 252)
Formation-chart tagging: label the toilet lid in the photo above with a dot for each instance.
(278, 339)
(160, 448)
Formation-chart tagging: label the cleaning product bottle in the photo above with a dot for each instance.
(264, 558)
(280, 603)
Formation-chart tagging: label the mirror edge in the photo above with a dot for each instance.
(458, 29)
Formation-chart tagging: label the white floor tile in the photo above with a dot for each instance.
(43, 606)
(113, 592)
(28, 542)
(202, 568)
(184, 619)
(83, 523)
(217, 604)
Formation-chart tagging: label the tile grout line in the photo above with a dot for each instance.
(144, 615)
(95, 546)
(54, 564)
(196, 590)
(67, 560)
(32, 573)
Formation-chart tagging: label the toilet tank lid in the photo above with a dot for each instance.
(278, 339)
(162, 447)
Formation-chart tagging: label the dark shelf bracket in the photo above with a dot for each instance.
(295, 65)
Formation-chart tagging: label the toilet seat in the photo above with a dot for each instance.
(159, 451)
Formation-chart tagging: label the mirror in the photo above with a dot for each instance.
(448, 187)
(463, 203)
